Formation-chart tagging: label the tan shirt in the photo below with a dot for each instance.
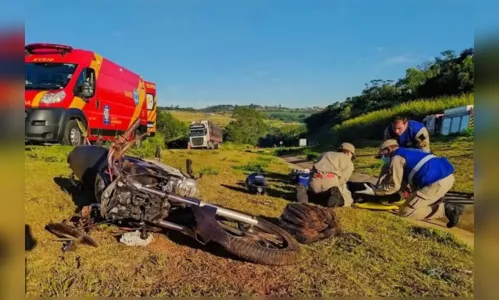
(337, 163)
(422, 137)
(393, 180)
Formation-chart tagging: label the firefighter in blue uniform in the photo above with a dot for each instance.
(429, 176)
(408, 134)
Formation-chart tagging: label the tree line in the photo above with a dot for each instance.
(248, 127)
(448, 75)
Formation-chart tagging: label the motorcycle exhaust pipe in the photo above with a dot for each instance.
(220, 211)
(224, 212)
(170, 225)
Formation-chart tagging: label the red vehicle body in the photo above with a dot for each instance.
(65, 84)
(151, 107)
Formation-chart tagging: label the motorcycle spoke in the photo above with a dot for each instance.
(253, 234)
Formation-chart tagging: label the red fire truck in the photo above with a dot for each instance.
(63, 85)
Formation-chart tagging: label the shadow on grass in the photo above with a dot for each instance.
(29, 241)
(185, 217)
(288, 194)
(277, 177)
(212, 247)
(80, 197)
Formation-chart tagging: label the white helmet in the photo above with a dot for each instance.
(306, 171)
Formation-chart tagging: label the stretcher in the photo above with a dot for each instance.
(384, 205)
(394, 202)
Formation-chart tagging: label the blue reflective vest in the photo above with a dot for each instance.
(422, 169)
(303, 179)
(408, 138)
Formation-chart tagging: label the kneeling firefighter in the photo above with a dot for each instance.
(429, 176)
(330, 174)
(256, 183)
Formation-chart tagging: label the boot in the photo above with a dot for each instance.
(453, 212)
(335, 198)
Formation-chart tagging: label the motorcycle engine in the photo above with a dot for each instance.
(184, 187)
(128, 203)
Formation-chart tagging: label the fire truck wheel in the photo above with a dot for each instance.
(72, 134)
(217, 146)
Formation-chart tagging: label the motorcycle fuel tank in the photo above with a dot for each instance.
(86, 161)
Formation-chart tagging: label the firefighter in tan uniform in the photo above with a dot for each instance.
(330, 174)
(429, 176)
(408, 134)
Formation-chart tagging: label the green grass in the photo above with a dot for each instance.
(460, 152)
(372, 125)
(209, 171)
(377, 256)
(189, 116)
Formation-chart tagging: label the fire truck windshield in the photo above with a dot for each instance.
(46, 76)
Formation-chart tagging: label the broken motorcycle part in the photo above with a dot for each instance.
(67, 232)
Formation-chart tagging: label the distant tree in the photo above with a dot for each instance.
(288, 134)
(171, 127)
(248, 126)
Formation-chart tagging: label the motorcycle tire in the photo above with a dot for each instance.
(256, 253)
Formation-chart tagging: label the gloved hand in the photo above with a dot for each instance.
(367, 191)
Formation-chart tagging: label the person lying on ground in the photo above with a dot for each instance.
(330, 174)
(429, 176)
(408, 134)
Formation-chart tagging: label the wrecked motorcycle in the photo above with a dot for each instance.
(155, 196)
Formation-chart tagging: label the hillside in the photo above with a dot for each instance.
(221, 119)
(430, 87)
(189, 116)
(374, 245)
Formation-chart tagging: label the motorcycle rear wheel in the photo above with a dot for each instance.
(264, 243)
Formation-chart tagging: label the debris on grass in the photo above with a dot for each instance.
(133, 239)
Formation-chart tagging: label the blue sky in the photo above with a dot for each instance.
(293, 53)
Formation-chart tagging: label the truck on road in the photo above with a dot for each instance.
(205, 134)
(63, 85)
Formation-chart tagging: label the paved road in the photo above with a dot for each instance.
(464, 235)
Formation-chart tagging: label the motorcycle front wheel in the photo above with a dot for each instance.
(264, 243)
